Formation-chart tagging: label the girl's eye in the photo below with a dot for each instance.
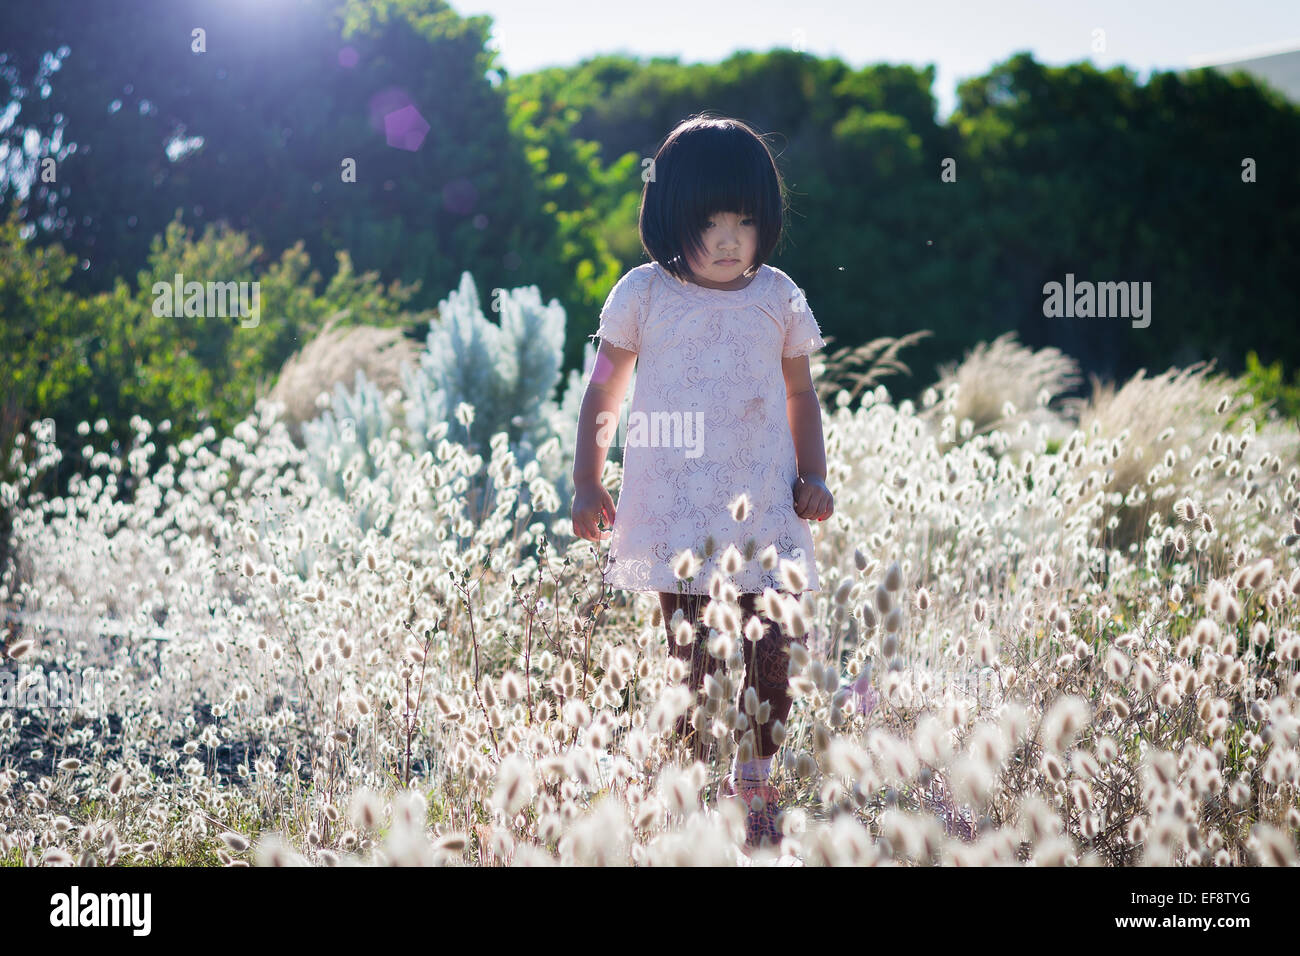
(742, 222)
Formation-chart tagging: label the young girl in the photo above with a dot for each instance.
(734, 463)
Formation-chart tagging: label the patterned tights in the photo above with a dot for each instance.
(766, 666)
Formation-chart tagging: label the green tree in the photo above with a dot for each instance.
(1268, 384)
(255, 131)
(1090, 173)
(108, 355)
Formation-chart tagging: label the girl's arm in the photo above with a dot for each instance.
(605, 390)
(597, 425)
(804, 411)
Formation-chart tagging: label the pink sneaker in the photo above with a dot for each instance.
(762, 803)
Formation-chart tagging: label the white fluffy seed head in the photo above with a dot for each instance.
(792, 577)
(1206, 633)
(366, 810)
(869, 617)
(1215, 596)
(515, 784)
(1052, 768)
(686, 565)
(821, 737)
(894, 620)
(511, 686)
(841, 594)
(1259, 575)
(684, 633)
(1232, 611)
(798, 625)
(1063, 721)
(1117, 665)
(452, 843)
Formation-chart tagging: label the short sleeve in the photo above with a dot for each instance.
(802, 336)
(620, 317)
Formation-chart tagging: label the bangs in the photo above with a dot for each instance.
(709, 166)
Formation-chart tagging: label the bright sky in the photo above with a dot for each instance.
(963, 38)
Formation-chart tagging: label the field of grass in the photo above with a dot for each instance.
(1058, 633)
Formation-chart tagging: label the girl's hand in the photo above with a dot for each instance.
(812, 499)
(591, 504)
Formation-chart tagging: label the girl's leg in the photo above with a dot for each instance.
(767, 671)
(699, 660)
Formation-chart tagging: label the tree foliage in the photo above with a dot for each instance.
(536, 179)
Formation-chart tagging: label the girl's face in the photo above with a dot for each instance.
(732, 242)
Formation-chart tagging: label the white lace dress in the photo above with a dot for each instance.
(713, 357)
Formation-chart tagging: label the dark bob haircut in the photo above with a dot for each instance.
(709, 165)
